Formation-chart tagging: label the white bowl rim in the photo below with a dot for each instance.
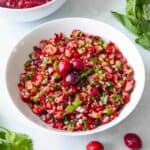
(79, 133)
(27, 9)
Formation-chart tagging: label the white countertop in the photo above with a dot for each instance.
(138, 121)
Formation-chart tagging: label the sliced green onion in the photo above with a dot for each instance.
(55, 64)
(86, 73)
(108, 111)
(27, 63)
(104, 98)
(93, 59)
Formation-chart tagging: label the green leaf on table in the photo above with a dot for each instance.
(10, 140)
(144, 25)
(146, 11)
(131, 7)
(144, 41)
(126, 21)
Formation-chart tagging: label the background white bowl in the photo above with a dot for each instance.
(20, 54)
(30, 14)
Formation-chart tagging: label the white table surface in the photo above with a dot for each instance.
(138, 121)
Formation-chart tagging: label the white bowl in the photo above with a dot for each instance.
(20, 54)
(30, 14)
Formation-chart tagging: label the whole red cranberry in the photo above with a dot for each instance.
(133, 141)
(72, 78)
(64, 67)
(78, 64)
(94, 145)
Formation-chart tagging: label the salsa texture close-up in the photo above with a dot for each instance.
(76, 83)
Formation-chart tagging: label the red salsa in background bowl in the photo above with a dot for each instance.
(19, 4)
(28, 10)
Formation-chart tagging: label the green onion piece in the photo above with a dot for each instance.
(93, 59)
(69, 109)
(66, 122)
(86, 73)
(29, 73)
(45, 60)
(84, 122)
(55, 64)
(30, 55)
(87, 45)
(108, 111)
(118, 64)
(49, 99)
(75, 104)
(27, 63)
(35, 99)
(56, 75)
(100, 73)
(104, 45)
(104, 98)
(56, 85)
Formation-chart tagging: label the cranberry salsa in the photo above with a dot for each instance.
(22, 3)
(76, 83)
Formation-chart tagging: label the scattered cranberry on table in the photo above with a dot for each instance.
(94, 145)
(133, 141)
(19, 4)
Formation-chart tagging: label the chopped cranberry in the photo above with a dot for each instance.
(133, 141)
(37, 109)
(73, 90)
(94, 91)
(64, 67)
(129, 85)
(126, 97)
(77, 64)
(72, 78)
(94, 145)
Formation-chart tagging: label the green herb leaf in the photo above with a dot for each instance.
(146, 11)
(126, 21)
(131, 7)
(143, 41)
(137, 20)
(10, 140)
(144, 25)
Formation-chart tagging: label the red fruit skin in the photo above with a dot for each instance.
(94, 91)
(72, 78)
(77, 64)
(64, 67)
(133, 141)
(94, 145)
